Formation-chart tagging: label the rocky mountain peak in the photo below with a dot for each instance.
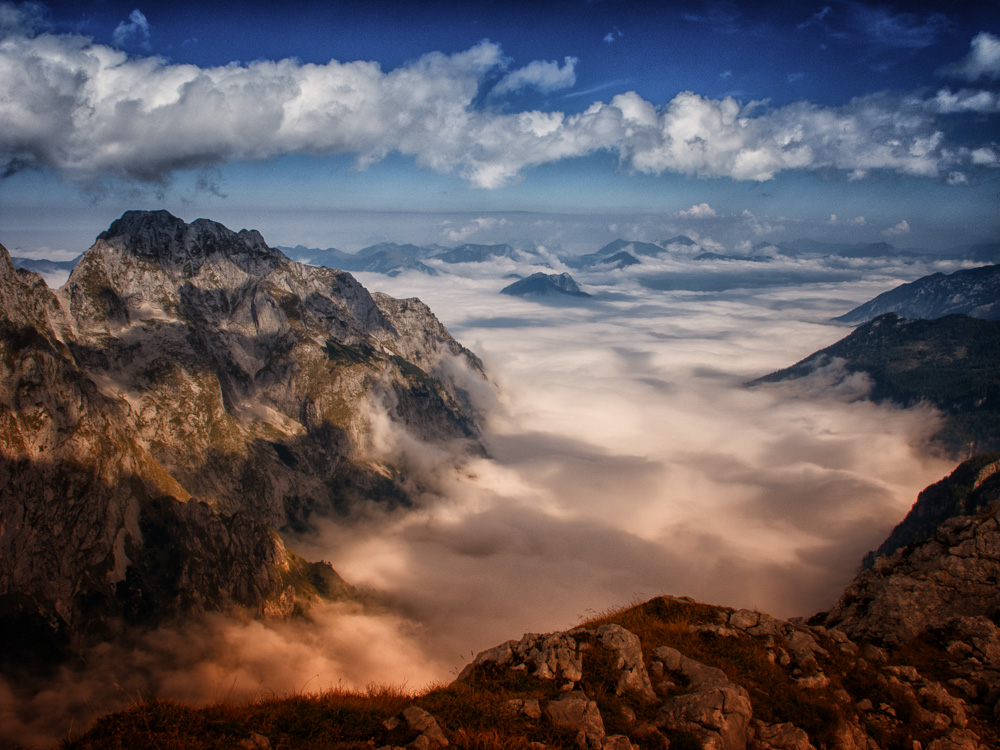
(161, 237)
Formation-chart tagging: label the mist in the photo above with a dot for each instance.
(628, 458)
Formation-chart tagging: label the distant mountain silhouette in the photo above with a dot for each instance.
(545, 284)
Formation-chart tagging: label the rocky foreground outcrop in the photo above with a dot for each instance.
(676, 673)
(189, 393)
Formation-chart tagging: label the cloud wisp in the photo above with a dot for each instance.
(545, 76)
(135, 31)
(89, 111)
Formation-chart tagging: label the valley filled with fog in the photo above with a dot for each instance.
(628, 458)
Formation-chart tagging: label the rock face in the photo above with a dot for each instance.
(941, 579)
(967, 491)
(973, 291)
(188, 392)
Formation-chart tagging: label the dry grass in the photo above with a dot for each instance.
(337, 719)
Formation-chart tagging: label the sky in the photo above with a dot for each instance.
(344, 123)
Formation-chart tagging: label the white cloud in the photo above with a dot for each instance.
(698, 211)
(613, 35)
(946, 102)
(136, 29)
(90, 111)
(901, 228)
(461, 234)
(983, 60)
(546, 76)
(857, 221)
(758, 226)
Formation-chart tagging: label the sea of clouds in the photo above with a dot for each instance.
(628, 458)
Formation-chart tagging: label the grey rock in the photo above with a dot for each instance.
(421, 721)
(576, 712)
(628, 648)
(560, 657)
(717, 711)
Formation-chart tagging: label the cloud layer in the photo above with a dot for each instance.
(89, 111)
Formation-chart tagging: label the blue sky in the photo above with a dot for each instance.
(849, 121)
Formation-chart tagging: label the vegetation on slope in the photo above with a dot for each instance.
(952, 363)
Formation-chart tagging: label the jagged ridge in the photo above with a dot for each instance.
(187, 392)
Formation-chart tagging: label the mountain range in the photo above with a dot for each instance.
(192, 395)
(186, 395)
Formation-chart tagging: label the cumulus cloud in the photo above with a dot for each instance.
(472, 228)
(983, 60)
(899, 229)
(546, 76)
(757, 225)
(946, 102)
(613, 35)
(698, 211)
(90, 111)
